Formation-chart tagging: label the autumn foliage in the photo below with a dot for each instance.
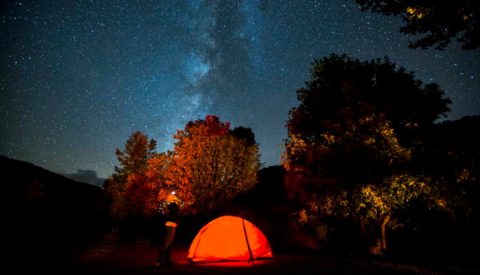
(126, 187)
(210, 165)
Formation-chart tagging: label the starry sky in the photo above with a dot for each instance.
(78, 77)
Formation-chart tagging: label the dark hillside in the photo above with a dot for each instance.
(48, 216)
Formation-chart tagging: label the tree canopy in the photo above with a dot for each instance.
(137, 151)
(437, 22)
(367, 114)
(212, 164)
(209, 166)
(351, 137)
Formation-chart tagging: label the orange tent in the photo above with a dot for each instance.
(229, 238)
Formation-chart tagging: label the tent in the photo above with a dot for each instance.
(229, 238)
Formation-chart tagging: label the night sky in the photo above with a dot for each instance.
(78, 77)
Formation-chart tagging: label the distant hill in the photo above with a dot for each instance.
(30, 187)
(49, 201)
(48, 216)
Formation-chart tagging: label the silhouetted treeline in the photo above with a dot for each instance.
(452, 144)
(451, 154)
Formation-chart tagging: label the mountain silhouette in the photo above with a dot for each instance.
(48, 216)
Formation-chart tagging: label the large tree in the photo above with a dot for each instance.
(355, 127)
(437, 22)
(211, 164)
(127, 182)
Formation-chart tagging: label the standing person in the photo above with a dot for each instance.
(172, 219)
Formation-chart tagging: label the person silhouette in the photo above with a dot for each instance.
(172, 218)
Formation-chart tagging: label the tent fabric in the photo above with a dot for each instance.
(229, 238)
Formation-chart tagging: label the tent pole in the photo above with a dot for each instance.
(248, 244)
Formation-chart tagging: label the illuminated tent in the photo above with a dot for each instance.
(229, 238)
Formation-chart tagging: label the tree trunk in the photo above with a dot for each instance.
(379, 244)
(383, 228)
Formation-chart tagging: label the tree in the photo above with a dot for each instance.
(359, 119)
(211, 164)
(355, 127)
(437, 21)
(125, 186)
(378, 205)
(138, 150)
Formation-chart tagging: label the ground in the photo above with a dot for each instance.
(110, 255)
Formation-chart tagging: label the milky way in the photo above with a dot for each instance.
(78, 77)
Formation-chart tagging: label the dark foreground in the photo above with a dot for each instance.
(112, 256)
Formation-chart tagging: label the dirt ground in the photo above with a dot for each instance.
(112, 256)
